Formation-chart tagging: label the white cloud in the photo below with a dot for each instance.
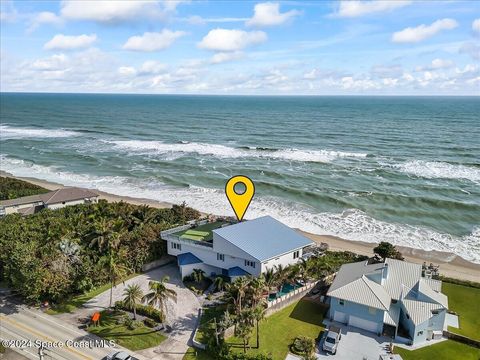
(127, 71)
(44, 17)
(311, 75)
(151, 41)
(222, 57)
(115, 11)
(231, 40)
(476, 25)
(436, 64)
(268, 14)
(355, 8)
(152, 67)
(422, 32)
(65, 42)
(53, 63)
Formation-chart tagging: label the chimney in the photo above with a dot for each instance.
(385, 271)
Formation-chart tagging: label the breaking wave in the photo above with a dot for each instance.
(10, 132)
(352, 224)
(222, 151)
(442, 170)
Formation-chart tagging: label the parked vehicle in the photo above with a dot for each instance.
(120, 355)
(331, 340)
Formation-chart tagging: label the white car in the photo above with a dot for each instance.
(331, 340)
(120, 355)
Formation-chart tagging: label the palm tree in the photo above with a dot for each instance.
(159, 294)
(304, 268)
(198, 275)
(112, 262)
(259, 315)
(106, 234)
(133, 295)
(270, 278)
(219, 283)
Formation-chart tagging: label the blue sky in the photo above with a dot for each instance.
(395, 47)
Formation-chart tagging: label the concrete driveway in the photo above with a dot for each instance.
(356, 344)
(181, 316)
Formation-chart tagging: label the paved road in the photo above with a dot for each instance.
(18, 322)
(181, 316)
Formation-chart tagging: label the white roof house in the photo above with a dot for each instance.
(371, 296)
(247, 247)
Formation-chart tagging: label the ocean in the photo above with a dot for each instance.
(398, 169)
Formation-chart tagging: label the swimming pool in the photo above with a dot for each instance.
(286, 288)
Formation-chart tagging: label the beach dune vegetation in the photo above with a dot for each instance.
(55, 255)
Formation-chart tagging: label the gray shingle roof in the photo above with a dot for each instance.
(401, 273)
(353, 271)
(363, 291)
(21, 200)
(67, 194)
(263, 238)
(420, 311)
(52, 197)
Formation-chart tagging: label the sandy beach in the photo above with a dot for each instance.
(451, 265)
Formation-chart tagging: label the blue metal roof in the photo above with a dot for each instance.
(263, 238)
(237, 271)
(187, 259)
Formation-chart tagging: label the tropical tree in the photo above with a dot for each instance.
(113, 263)
(387, 250)
(159, 294)
(132, 296)
(219, 283)
(106, 234)
(198, 275)
(270, 279)
(244, 326)
(259, 315)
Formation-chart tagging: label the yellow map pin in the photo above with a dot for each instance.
(239, 202)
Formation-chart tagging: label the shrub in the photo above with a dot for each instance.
(458, 281)
(149, 323)
(209, 297)
(145, 310)
(187, 278)
(303, 345)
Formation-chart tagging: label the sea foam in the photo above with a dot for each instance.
(352, 224)
(222, 151)
(441, 170)
(10, 132)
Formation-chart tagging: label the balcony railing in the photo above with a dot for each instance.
(176, 238)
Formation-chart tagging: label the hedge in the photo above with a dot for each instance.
(145, 310)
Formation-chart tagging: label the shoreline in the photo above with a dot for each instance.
(451, 265)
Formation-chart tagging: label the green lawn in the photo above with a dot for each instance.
(207, 316)
(278, 331)
(200, 233)
(446, 350)
(140, 338)
(193, 353)
(462, 300)
(71, 305)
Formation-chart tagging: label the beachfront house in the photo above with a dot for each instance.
(390, 298)
(52, 200)
(235, 249)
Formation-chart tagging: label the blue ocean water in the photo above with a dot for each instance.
(400, 169)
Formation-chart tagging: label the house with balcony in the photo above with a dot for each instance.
(235, 249)
(392, 298)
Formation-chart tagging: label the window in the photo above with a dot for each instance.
(176, 246)
(250, 263)
(296, 254)
(341, 302)
(372, 311)
(220, 257)
(420, 333)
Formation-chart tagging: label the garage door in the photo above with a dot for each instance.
(363, 324)
(340, 317)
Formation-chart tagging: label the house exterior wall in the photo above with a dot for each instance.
(209, 257)
(423, 331)
(69, 203)
(284, 260)
(14, 208)
(360, 311)
(212, 271)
